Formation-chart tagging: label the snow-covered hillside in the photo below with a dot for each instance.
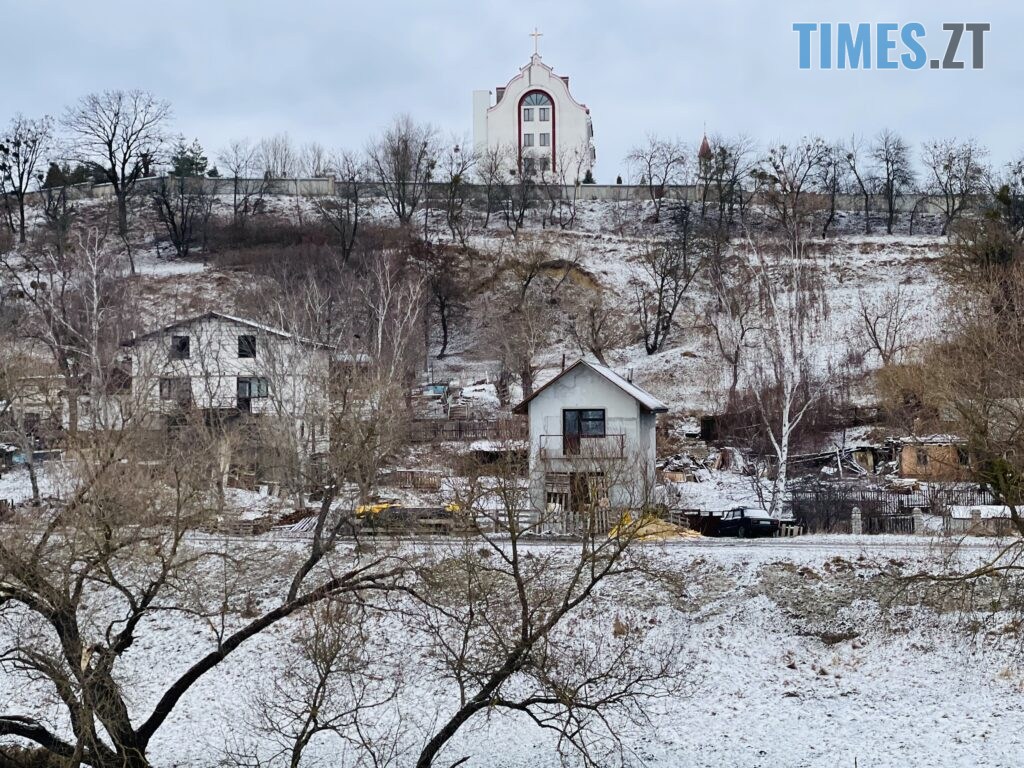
(789, 652)
(688, 372)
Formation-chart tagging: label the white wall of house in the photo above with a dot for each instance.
(296, 372)
(625, 425)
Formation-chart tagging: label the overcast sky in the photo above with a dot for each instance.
(335, 71)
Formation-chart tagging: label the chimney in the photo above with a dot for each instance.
(563, 361)
(629, 375)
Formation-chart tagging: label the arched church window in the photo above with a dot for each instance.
(536, 99)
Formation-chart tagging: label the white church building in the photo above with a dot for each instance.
(537, 123)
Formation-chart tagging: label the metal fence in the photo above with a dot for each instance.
(827, 508)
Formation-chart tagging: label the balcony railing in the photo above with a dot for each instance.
(562, 447)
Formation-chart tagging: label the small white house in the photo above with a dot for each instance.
(592, 445)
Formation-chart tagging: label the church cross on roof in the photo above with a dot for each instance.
(536, 35)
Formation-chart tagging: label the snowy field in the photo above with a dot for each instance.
(792, 658)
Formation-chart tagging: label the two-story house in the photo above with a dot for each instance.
(592, 446)
(231, 368)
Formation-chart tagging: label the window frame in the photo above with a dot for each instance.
(245, 346)
(544, 114)
(527, 114)
(257, 387)
(181, 347)
(527, 139)
(177, 389)
(596, 416)
(544, 139)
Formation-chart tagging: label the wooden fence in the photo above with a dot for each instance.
(442, 430)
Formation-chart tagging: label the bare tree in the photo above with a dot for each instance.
(968, 382)
(783, 176)
(446, 287)
(494, 166)
(832, 177)
(721, 175)
(665, 271)
(278, 157)
(248, 182)
(660, 163)
(74, 301)
(341, 682)
(598, 325)
(889, 321)
(516, 628)
(120, 135)
(780, 364)
(956, 171)
(857, 162)
(563, 184)
(315, 161)
(23, 148)
(455, 168)
(183, 207)
(732, 317)
(403, 159)
(342, 211)
(29, 401)
(894, 170)
(123, 555)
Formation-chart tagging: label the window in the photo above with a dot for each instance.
(529, 166)
(545, 139)
(120, 380)
(592, 423)
(578, 424)
(250, 387)
(177, 389)
(247, 346)
(528, 115)
(922, 457)
(180, 348)
(963, 457)
(545, 114)
(537, 99)
(527, 139)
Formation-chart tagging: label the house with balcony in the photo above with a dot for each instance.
(591, 446)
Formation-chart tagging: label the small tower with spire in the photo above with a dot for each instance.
(704, 158)
(704, 153)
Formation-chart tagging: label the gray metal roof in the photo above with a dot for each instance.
(648, 401)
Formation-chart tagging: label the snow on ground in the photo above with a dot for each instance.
(790, 663)
(16, 485)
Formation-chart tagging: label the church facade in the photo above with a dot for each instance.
(536, 125)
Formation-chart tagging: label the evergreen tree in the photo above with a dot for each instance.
(588, 177)
(64, 175)
(188, 159)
